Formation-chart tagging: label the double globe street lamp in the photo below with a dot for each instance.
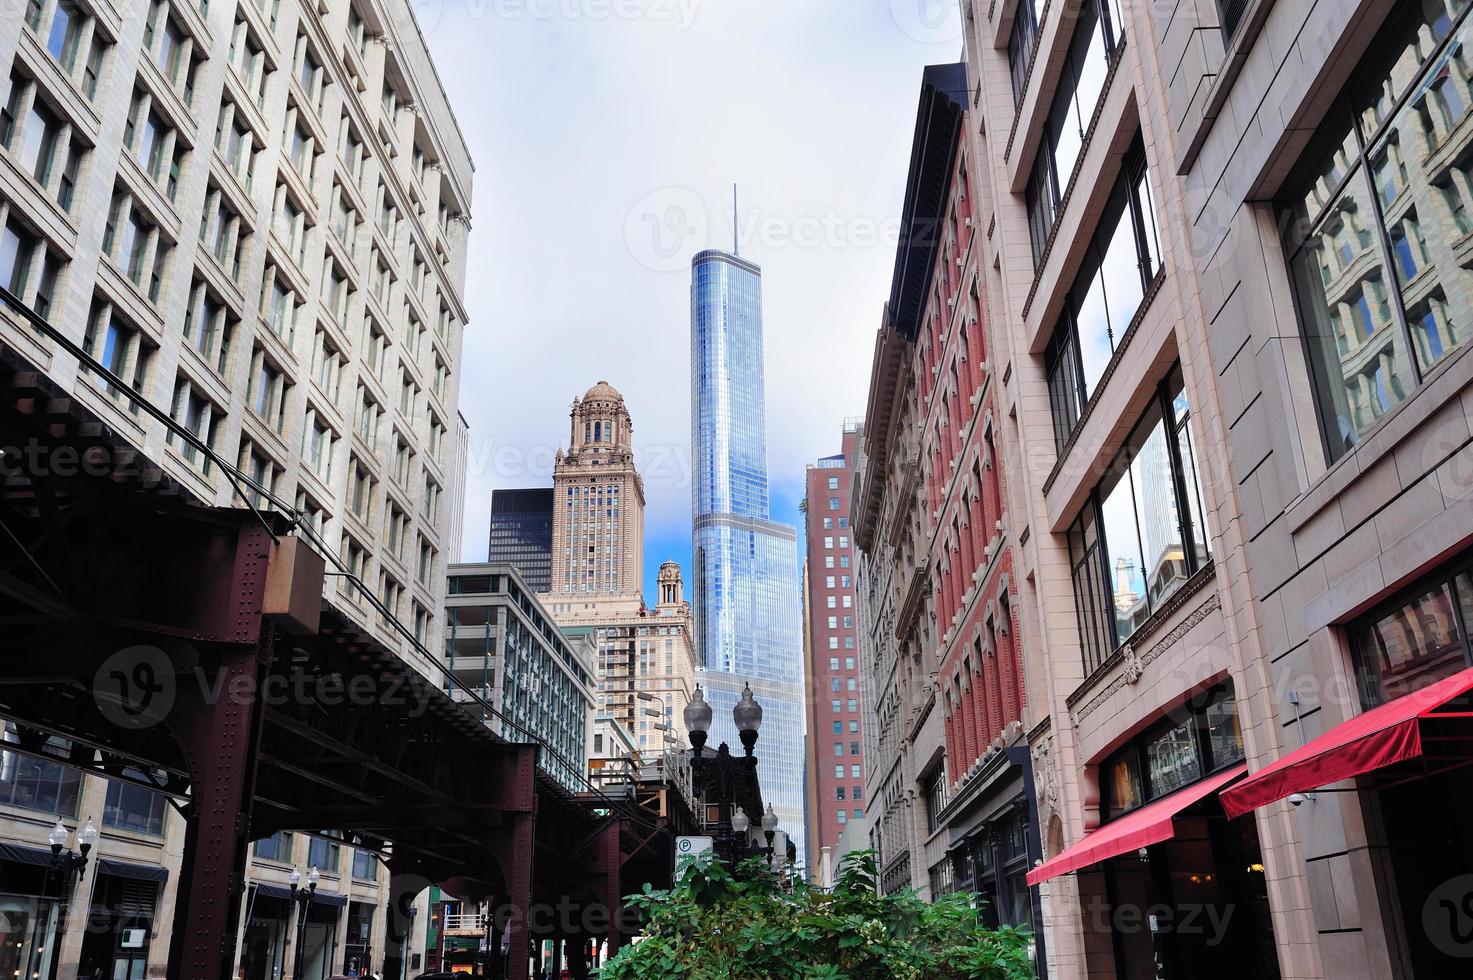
(302, 898)
(719, 768)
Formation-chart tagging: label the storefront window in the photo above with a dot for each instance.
(1419, 638)
(1372, 215)
(1196, 739)
(119, 927)
(263, 946)
(27, 927)
(1172, 760)
(357, 948)
(1122, 778)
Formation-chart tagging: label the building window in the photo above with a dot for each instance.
(1121, 260)
(134, 808)
(198, 415)
(1020, 47)
(1420, 637)
(323, 854)
(1081, 84)
(28, 267)
(1195, 740)
(1354, 225)
(34, 783)
(937, 793)
(121, 349)
(135, 244)
(277, 847)
(208, 328)
(1141, 534)
(365, 865)
(68, 33)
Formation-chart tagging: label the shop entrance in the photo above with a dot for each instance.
(119, 925)
(1429, 831)
(263, 949)
(1196, 906)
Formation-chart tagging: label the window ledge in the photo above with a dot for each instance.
(1115, 359)
(1068, 192)
(1390, 430)
(1199, 580)
(1039, 21)
(1227, 73)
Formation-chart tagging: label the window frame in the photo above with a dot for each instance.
(1297, 234)
(1195, 709)
(1195, 555)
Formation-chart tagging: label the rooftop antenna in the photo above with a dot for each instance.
(736, 220)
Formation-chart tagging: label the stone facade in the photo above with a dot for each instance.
(940, 654)
(1299, 322)
(256, 215)
(598, 501)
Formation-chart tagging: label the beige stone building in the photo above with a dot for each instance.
(255, 214)
(1226, 284)
(646, 656)
(598, 501)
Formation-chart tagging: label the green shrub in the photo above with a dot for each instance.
(714, 925)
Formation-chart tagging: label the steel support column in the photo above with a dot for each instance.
(611, 860)
(513, 850)
(221, 739)
(514, 853)
(218, 725)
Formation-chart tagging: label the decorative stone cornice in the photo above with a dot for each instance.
(1135, 663)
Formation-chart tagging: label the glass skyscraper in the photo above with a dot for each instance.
(521, 534)
(746, 565)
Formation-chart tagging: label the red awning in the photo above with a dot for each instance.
(1380, 737)
(1151, 824)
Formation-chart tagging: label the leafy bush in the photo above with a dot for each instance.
(714, 925)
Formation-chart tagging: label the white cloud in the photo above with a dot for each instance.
(586, 124)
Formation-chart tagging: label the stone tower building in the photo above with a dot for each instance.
(598, 501)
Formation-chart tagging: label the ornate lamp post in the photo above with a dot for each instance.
(769, 828)
(719, 773)
(698, 720)
(72, 863)
(303, 899)
(748, 718)
(68, 865)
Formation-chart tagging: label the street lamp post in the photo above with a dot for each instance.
(302, 898)
(721, 769)
(68, 865)
(769, 828)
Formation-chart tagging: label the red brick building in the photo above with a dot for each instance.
(948, 765)
(835, 782)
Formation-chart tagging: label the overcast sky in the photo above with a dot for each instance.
(606, 136)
